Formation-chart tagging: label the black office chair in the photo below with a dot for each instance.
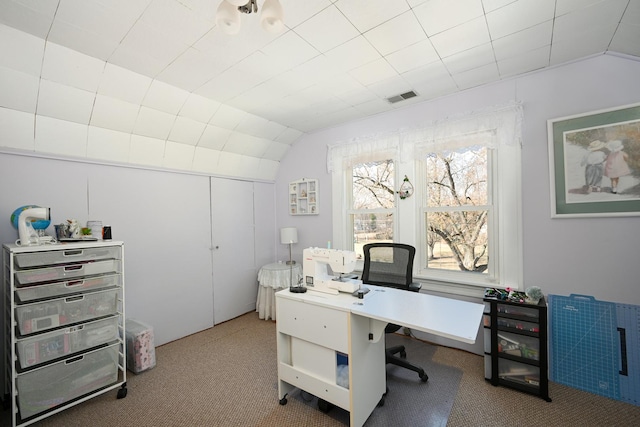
(391, 265)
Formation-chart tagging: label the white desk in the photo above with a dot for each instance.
(272, 278)
(313, 326)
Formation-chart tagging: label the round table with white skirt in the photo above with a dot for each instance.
(272, 278)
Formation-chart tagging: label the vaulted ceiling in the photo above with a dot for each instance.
(162, 69)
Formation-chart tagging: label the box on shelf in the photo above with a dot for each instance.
(141, 352)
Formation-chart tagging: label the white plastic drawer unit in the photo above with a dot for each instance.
(53, 313)
(52, 385)
(66, 256)
(57, 289)
(66, 271)
(323, 326)
(42, 348)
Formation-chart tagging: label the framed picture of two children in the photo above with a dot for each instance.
(594, 162)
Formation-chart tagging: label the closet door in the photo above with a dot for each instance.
(235, 286)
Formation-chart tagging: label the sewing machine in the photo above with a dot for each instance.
(316, 274)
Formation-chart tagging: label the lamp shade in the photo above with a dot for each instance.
(288, 235)
(272, 17)
(237, 2)
(228, 18)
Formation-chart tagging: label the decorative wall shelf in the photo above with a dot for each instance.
(303, 197)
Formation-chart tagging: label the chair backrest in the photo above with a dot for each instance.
(388, 264)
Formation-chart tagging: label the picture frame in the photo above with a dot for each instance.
(594, 163)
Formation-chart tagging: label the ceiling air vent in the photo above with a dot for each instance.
(402, 97)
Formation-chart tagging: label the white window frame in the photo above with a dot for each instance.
(504, 225)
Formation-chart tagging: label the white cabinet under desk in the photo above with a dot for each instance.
(64, 326)
(315, 329)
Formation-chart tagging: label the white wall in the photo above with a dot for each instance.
(591, 256)
(163, 218)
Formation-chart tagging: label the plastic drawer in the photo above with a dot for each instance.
(49, 386)
(518, 345)
(50, 314)
(66, 256)
(61, 342)
(51, 290)
(66, 271)
(519, 373)
(520, 311)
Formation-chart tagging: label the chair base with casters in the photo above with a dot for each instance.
(391, 265)
(391, 358)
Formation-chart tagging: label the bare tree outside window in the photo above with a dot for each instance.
(373, 202)
(457, 210)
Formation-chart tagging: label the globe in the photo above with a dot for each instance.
(39, 224)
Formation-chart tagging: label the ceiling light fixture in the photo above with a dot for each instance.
(228, 15)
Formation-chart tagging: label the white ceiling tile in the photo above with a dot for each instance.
(153, 123)
(76, 107)
(230, 163)
(276, 151)
(18, 91)
(367, 14)
(164, 97)
(252, 125)
(289, 136)
(341, 84)
(214, 137)
(145, 40)
(356, 97)
(83, 41)
(123, 84)
(199, 108)
(319, 69)
(396, 34)
(526, 62)
(205, 160)
(227, 117)
(469, 59)
(632, 14)
(373, 72)
(112, 113)
(191, 70)
(390, 87)
(437, 16)
(247, 145)
(110, 145)
(69, 67)
(477, 76)
(373, 106)
(460, 38)
(430, 80)
(186, 131)
(60, 137)
(598, 23)
(518, 16)
(626, 39)
(289, 51)
(326, 30)
(21, 51)
(173, 17)
(267, 170)
(490, 5)
(296, 11)
(352, 54)
(414, 56)
(17, 129)
(178, 156)
(146, 151)
(231, 49)
(566, 6)
(137, 61)
(31, 16)
(247, 166)
(522, 41)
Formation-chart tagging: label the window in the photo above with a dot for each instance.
(456, 210)
(464, 217)
(372, 203)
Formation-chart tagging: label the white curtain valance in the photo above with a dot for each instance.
(492, 127)
(362, 150)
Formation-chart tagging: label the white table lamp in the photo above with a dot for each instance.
(289, 236)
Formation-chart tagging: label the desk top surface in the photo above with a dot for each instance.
(446, 317)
